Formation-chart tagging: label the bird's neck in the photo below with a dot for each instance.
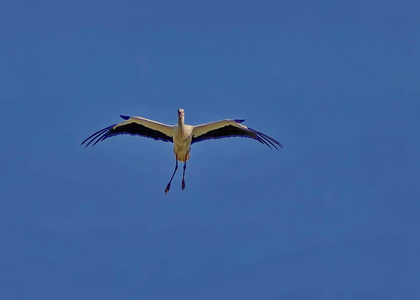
(181, 123)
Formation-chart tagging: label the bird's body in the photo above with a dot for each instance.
(182, 142)
(181, 135)
(182, 138)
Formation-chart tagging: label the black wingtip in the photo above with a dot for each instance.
(239, 121)
(267, 140)
(97, 136)
(125, 117)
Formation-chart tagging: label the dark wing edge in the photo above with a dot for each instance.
(130, 128)
(233, 131)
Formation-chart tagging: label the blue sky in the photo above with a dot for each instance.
(333, 215)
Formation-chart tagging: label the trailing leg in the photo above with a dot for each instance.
(169, 184)
(183, 175)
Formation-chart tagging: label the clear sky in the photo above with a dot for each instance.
(333, 215)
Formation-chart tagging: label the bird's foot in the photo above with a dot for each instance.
(183, 184)
(167, 188)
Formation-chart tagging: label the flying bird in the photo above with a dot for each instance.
(181, 135)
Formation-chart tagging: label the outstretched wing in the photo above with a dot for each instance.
(230, 128)
(134, 126)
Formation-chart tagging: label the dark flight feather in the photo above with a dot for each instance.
(131, 128)
(233, 131)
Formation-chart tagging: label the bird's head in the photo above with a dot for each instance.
(180, 113)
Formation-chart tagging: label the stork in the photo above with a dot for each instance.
(181, 135)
